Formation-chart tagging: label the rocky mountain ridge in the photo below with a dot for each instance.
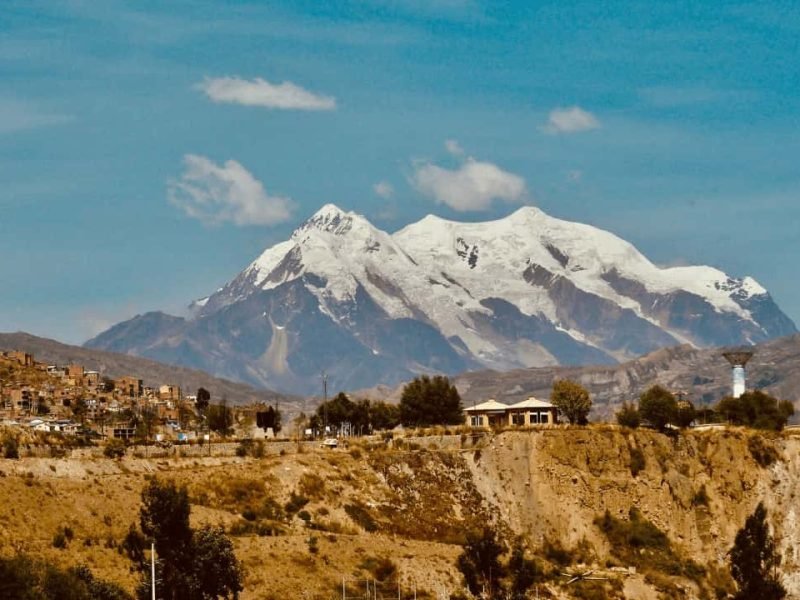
(369, 307)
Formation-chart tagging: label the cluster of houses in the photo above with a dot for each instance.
(55, 398)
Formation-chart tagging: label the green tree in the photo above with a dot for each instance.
(756, 409)
(628, 416)
(217, 572)
(191, 565)
(383, 415)
(79, 409)
(336, 411)
(572, 400)
(754, 560)
(164, 519)
(685, 413)
(431, 401)
(480, 565)
(203, 399)
(220, 418)
(146, 423)
(658, 407)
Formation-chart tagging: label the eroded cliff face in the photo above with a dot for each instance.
(698, 488)
(413, 500)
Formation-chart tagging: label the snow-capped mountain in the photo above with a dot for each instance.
(369, 307)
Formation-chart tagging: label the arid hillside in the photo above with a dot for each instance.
(652, 516)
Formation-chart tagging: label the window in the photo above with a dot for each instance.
(518, 418)
(475, 420)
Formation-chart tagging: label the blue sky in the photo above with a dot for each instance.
(150, 150)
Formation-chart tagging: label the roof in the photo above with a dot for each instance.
(489, 405)
(532, 403)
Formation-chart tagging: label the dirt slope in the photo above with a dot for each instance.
(411, 503)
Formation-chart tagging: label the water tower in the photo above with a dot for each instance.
(738, 357)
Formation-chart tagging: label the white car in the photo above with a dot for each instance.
(330, 443)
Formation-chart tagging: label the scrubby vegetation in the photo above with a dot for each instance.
(763, 452)
(628, 416)
(25, 578)
(637, 541)
(756, 409)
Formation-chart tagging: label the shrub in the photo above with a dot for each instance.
(639, 542)
(243, 448)
(638, 462)
(295, 503)
(628, 416)
(59, 540)
(63, 536)
(380, 567)
(114, 449)
(313, 546)
(556, 553)
(361, 515)
(700, 497)
(311, 485)
(248, 514)
(658, 407)
(762, 452)
(10, 447)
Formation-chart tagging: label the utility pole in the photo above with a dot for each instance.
(153, 568)
(325, 403)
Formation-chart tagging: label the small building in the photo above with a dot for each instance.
(522, 414)
(487, 414)
(22, 358)
(124, 433)
(75, 372)
(91, 378)
(132, 387)
(169, 392)
(532, 412)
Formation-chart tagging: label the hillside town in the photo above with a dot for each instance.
(72, 400)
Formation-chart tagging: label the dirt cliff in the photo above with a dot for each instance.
(304, 521)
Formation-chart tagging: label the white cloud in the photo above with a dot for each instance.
(217, 194)
(260, 92)
(473, 186)
(570, 120)
(383, 189)
(454, 148)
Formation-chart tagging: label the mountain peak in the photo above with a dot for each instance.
(528, 210)
(329, 210)
(332, 219)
